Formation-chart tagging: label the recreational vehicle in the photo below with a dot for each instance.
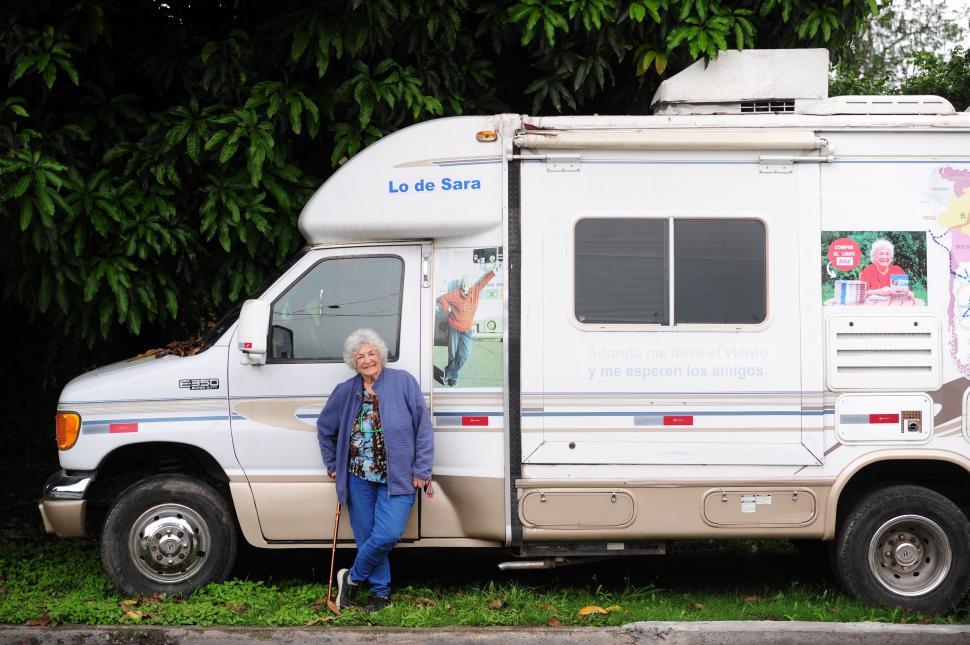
(746, 315)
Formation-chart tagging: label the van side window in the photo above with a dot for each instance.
(623, 268)
(621, 271)
(719, 271)
(311, 320)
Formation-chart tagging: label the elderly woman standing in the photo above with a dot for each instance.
(376, 439)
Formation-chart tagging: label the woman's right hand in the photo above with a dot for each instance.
(332, 475)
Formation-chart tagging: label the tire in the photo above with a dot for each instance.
(905, 546)
(168, 534)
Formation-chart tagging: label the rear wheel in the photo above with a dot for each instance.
(906, 546)
(168, 534)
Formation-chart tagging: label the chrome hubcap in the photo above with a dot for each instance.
(910, 555)
(908, 551)
(168, 543)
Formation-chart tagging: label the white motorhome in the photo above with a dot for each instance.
(747, 315)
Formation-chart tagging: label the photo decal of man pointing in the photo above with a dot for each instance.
(469, 318)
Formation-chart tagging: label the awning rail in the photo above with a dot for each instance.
(694, 139)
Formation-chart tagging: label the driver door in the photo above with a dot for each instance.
(274, 407)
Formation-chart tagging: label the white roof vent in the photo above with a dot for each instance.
(749, 81)
(878, 105)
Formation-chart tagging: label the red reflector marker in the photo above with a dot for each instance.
(247, 345)
(883, 418)
(678, 421)
(123, 427)
(474, 421)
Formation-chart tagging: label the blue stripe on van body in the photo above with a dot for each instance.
(101, 422)
(94, 426)
(756, 413)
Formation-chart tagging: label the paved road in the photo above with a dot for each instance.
(668, 633)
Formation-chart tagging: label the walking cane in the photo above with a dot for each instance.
(333, 557)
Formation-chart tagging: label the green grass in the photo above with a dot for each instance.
(61, 581)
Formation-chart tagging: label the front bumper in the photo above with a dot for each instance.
(63, 505)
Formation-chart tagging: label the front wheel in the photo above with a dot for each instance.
(168, 534)
(905, 546)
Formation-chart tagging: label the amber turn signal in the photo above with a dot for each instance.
(68, 429)
(486, 135)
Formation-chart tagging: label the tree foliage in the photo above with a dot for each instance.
(946, 75)
(889, 40)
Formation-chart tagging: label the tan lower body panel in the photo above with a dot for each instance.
(306, 511)
(469, 510)
(63, 517)
(679, 512)
(465, 507)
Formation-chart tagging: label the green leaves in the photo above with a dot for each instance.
(225, 64)
(291, 104)
(351, 138)
(534, 14)
(706, 33)
(34, 180)
(640, 9)
(553, 90)
(648, 57)
(389, 88)
(15, 106)
(326, 42)
(189, 124)
(242, 126)
(45, 53)
(592, 12)
(826, 19)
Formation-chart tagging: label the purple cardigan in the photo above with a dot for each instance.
(405, 422)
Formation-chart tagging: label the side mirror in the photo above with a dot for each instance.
(253, 331)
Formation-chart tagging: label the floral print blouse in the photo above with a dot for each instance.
(368, 459)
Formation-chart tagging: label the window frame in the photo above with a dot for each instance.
(670, 276)
(400, 307)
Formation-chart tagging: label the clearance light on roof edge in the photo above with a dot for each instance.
(484, 136)
(68, 428)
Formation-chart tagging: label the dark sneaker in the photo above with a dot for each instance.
(346, 590)
(451, 382)
(376, 603)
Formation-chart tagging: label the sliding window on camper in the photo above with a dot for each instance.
(625, 267)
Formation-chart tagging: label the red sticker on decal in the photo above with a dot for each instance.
(678, 421)
(474, 421)
(123, 427)
(844, 254)
(883, 418)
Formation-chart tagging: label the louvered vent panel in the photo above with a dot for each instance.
(779, 105)
(888, 352)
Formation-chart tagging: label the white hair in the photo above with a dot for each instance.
(363, 337)
(880, 243)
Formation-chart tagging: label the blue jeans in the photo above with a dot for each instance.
(378, 520)
(459, 349)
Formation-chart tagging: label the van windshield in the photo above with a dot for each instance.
(229, 318)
